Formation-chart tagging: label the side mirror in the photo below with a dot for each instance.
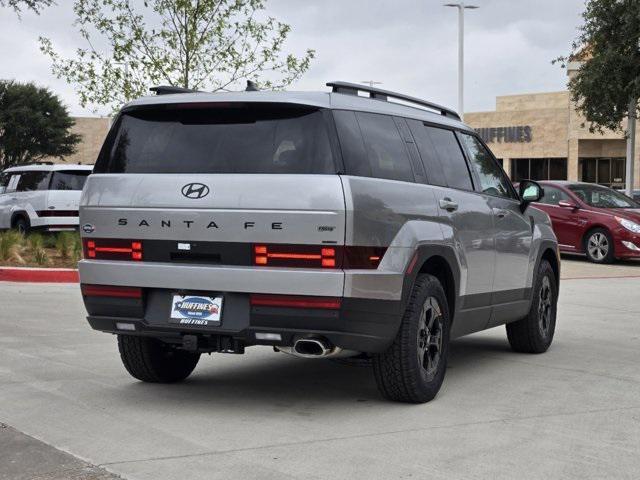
(530, 191)
(567, 204)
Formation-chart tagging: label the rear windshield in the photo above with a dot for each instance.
(68, 180)
(205, 139)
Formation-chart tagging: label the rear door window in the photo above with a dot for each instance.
(428, 154)
(243, 138)
(454, 165)
(69, 179)
(386, 152)
(33, 180)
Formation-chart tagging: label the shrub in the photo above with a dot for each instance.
(65, 244)
(35, 241)
(40, 256)
(10, 246)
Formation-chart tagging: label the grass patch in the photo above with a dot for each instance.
(62, 249)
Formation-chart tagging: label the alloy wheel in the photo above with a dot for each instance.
(545, 306)
(598, 246)
(430, 336)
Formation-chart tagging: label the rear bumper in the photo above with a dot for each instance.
(54, 224)
(360, 324)
(367, 321)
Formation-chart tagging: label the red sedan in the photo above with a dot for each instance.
(600, 222)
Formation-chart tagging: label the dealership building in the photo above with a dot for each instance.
(541, 136)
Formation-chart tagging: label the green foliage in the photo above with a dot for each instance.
(200, 44)
(609, 44)
(76, 251)
(65, 244)
(35, 241)
(33, 5)
(40, 256)
(10, 246)
(34, 124)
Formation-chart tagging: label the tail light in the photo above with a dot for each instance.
(317, 256)
(112, 249)
(294, 301)
(309, 256)
(110, 291)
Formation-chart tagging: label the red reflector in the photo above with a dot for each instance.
(329, 262)
(110, 291)
(290, 301)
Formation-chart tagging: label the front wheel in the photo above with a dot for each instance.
(413, 368)
(534, 333)
(598, 246)
(21, 224)
(151, 360)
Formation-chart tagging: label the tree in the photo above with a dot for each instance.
(34, 124)
(34, 5)
(198, 44)
(609, 46)
(606, 87)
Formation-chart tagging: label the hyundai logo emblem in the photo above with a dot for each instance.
(195, 190)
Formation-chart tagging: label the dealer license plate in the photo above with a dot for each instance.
(196, 310)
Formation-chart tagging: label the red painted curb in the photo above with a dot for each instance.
(39, 275)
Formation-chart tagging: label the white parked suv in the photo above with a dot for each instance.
(42, 196)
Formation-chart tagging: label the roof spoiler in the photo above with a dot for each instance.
(384, 95)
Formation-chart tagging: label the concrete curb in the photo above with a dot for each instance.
(39, 275)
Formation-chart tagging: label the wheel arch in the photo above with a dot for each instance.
(441, 262)
(19, 214)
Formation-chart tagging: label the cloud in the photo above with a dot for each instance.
(409, 45)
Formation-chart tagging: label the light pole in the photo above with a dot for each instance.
(461, 8)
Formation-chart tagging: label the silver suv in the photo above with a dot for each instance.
(357, 223)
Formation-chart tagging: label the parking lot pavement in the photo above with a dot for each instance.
(573, 412)
(25, 458)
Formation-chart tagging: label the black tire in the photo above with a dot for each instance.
(534, 333)
(400, 372)
(598, 246)
(151, 360)
(21, 224)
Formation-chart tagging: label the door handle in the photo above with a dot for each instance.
(448, 205)
(501, 213)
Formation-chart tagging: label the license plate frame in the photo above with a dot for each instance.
(196, 310)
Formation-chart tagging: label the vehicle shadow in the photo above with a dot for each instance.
(283, 380)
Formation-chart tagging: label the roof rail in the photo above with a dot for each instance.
(384, 95)
(20, 165)
(169, 89)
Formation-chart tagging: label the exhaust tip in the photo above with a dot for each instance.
(311, 347)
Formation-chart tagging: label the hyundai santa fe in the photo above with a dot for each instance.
(354, 223)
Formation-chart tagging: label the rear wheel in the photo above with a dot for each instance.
(534, 333)
(598, 245)
(151, 360)
(413, 368)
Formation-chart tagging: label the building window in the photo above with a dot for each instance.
(605, 171)
(538, 169)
